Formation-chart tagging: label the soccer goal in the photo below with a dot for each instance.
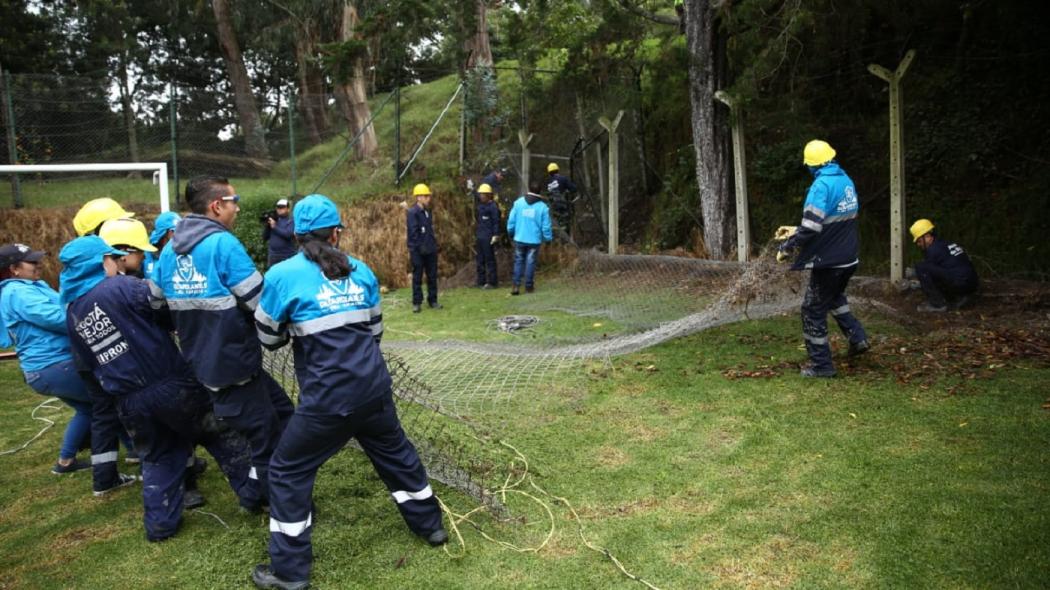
(159, 169)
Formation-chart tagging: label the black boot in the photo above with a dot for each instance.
(264, 578)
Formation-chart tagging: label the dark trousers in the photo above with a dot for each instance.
(259, 410)
(308, 443)
(939, 285)
(825, 294)
(106, 431)
(166, 421)
(486, 262)
(424, 263)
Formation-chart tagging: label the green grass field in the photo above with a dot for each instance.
(691, 478)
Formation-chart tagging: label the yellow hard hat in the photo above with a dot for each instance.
(818, 153)
(126, 232)
(96, 211)
(552, 167)
(484, 188)
(920, 228)
(420, 189)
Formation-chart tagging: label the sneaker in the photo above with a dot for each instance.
(193, 499)
(265, 578)
(416, 308)
(858, 348)
(76, 465)
(123, 480)
(811, 372)
(436, 538)
(928, 308)
(132, 458)
(515, 291)
(436, 305)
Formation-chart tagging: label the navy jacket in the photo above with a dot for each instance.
(827, 236)
(281, 238)
(205, 276)
(117, 335)
(558, 184)
(953, 259)
(421, 230)
(487, 220)
(490, 179)
(336, 327)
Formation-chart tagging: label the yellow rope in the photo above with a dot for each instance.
(507, 487)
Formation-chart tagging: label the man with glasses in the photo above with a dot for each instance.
(210, 284)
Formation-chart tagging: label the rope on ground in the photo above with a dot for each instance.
(511, 488)
(215, 516)
(50, 423)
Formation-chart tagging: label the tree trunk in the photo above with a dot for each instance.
(306, 101)
(479, 52)
(247, 111)
(128, 109)
(707, 73)
(352, 93)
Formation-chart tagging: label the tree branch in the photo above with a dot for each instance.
(656, 18)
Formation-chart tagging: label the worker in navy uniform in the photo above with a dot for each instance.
(827, 243)
(561, 194)
(486, 236)
(495, 180)
(329, 302)
(946, 274)
(422, 249)
(206, 278)
(115, 331)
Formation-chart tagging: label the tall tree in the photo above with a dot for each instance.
(244, 99)
(348, 66)
(707, 74)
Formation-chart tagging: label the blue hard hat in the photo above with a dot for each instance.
(165, 221)
(82, 265)
(315, 212)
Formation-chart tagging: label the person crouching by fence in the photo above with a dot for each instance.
(529, 225)
(947, 276)
(330, 303)
(125, 342)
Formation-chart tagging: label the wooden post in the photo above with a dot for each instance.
(743, 221)
(897, 200)
(524, 140)
(614, 180)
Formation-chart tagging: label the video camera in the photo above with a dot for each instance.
(267, 216)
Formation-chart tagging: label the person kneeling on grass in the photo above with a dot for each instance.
(330, 303)
(117, 333)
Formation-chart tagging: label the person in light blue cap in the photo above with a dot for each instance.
(86, 261)
(329, 302)
(33, 322)
(163, 229)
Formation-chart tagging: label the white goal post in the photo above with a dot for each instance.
(159, 169)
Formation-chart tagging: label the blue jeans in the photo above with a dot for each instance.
(62, 381)
(525, 263)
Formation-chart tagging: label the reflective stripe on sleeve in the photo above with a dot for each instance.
(813, 225)
(244, 287)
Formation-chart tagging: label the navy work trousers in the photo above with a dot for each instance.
(825, 294)
(259, 410)
(166, 421)
(939, 285)
(486, 262)
(106, 431)
(427, 263)
(308, 443)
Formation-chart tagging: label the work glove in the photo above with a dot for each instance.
(784, 232)
(494, 240)
(782, 256)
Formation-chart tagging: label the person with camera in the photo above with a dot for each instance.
(278, 233)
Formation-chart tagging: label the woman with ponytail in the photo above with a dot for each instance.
(328, 303)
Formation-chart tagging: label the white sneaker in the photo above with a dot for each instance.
(123, 480)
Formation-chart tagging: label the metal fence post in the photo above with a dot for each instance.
(397, 135)
(897, 200)
(12, 137)
(173, 115)
(743, 222)
(614, 180)
(291, 139)
(524, 140)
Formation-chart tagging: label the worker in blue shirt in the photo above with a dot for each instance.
(561, 193)
(529, 225)
(946, 274)
(486, 236)
(163, 229)
(826, 242)
(329, 302)
(422, 249)
(278, 235)
(206, 278)
(33, 322)
(116, 332)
